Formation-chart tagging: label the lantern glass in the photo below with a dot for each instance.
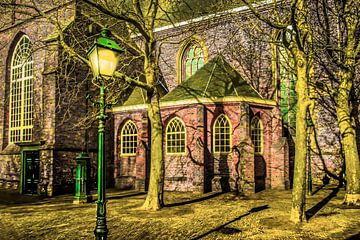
(103, 61)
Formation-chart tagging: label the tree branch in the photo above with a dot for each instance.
(122, 16)
(262, 17)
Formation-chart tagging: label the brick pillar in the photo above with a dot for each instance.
(279, 154)
(116, 148)
(246, 151)
(208, 159)
(202, 178)
(142, 157)
(47, 173)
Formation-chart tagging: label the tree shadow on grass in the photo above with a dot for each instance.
(125, 195)
(226, 230)
(318, 189)
(312, 211)
(194, 200)
(354, 237)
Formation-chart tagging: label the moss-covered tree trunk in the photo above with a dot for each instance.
(343, 108)
(154, 199)
(348, 138)
(302, 51)
(299, 183)
(155, 196)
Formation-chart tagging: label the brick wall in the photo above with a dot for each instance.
(59, 143)
(199, 168)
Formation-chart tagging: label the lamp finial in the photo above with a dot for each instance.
(105, 32)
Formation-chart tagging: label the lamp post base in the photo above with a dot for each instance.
(101, 230)
(82, 199)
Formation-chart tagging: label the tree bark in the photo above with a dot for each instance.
(299, 183)
(348, 138)
(343, 107)
(155, 196)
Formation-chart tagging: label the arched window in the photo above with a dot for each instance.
(129, 139)
(288, 96)
(257, 135)
(192, 60)
(175, 136)
(21, 92)
(222, 135)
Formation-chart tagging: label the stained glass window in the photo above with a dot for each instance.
(21, 93)
(222, 135)
(129, 139)
(193, 59)
(175, 136)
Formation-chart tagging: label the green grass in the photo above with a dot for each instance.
(186, 216)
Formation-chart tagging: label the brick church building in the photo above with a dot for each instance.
(218, 132)
(227, 115)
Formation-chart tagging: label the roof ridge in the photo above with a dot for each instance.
(210, 77)
(216, 79)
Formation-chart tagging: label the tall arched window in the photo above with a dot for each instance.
(257, 135)
(222, 135)
(288, 97)
(192, 60)
(129, 135)
(175, 136)
(21, 92)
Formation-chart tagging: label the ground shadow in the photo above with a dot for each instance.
(354, 237)
(291, 144)
(125, 195)
(260, 173)
(224, 229)
(312, 211)
(194, 200)
(9, 197)
(318, 189)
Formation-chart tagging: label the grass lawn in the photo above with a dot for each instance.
(264, 215)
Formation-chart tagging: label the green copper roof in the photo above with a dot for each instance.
(215, 79)
(138, 96)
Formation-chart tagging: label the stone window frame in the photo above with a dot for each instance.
(129, 139)
(220, 137)
(257, 135)
(21, 103)
(193, 42)
(176, 132)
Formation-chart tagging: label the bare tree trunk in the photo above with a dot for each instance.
(348, 134)
(299, 184)
(155, 196)
(154, 199)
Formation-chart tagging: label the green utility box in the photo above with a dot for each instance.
(82, 184)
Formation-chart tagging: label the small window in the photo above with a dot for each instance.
(21, 92)
(129, 139)
(192, 60)
(222, 135)
(257, 135)
(175, 136)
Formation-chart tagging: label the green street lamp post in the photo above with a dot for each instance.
(104, 57)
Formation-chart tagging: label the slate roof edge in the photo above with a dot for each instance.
(207, 17)
(231, 99)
